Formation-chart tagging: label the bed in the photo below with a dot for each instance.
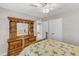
(50, 47)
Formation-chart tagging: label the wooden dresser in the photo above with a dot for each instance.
(17, 43)
(14, 47)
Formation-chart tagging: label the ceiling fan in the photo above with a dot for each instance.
(44, 7)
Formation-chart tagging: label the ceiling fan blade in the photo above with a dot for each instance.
(39, 5)
(43, 4)
(33, 5)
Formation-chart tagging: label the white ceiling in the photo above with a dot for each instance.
(33, 11)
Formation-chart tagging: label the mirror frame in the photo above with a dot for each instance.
(22, 27)
(13, 26)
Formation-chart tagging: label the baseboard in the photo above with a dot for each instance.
(3, 54)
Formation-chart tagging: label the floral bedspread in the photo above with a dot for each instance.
(50, 47)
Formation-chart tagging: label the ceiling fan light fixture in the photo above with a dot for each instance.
(45, 10)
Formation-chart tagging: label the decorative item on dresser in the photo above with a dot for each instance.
(17, 43)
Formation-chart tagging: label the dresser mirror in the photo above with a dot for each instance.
(22, 29)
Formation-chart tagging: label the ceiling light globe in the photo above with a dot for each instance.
(45, 10)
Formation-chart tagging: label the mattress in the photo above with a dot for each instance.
(50, 47)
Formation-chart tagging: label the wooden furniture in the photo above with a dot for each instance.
(17, 43)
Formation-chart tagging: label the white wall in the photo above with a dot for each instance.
(70, 26)
(4, 27)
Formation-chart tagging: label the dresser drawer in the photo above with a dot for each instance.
(14, 52)
(32, 39)
(15, 44)
(26, 41)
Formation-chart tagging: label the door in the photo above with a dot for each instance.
(39, 30)
(55, 29)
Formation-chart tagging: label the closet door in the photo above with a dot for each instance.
(55, 29)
